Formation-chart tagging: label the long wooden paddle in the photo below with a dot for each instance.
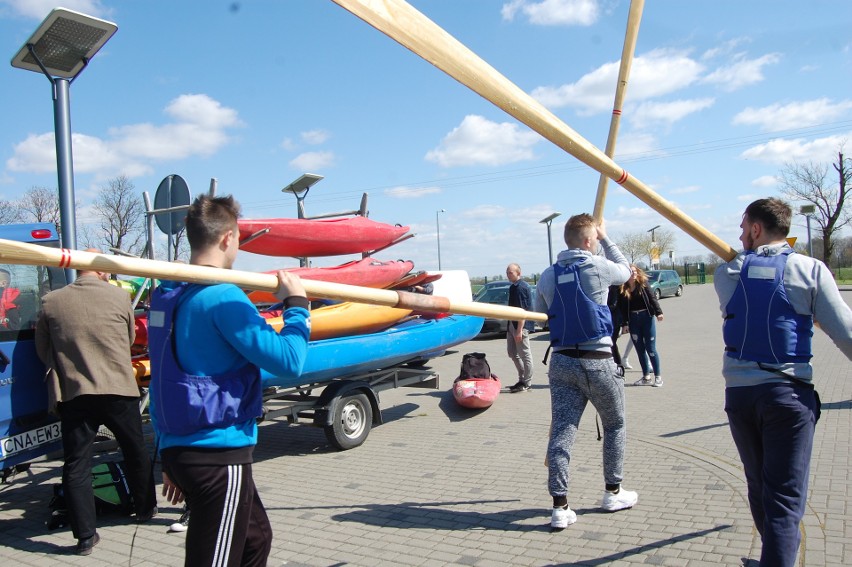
(634, 17)
(406, 25)
(13, 252)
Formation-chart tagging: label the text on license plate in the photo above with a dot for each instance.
(29, 439)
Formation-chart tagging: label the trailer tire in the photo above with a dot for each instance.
(353, 419)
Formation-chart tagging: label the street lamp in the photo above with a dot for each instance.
(654, 246)
(300, 188)
(808, 211)
(438, 227)
(60, 49)
(548, 220)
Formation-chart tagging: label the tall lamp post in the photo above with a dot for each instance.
(61, 48)
(548, 220)
(438, 227)
(654, 246)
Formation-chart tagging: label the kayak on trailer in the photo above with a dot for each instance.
(411, 341)
(413, 279)
(367, 272)
(342, 319)
(317, 237)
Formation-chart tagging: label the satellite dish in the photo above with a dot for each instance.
(172, 192)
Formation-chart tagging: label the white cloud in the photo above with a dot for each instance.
(668, 113)
(554, 12)
(38, 9)
(684, 190)
(742, 72)
(289, 145)
(749, 197)
(37, 154)
(782, 150)
(724, 48)
(486, 212)
(765, 181)
(478, 141)
(315, 137)
(411, 192)
(310, 161)
(777, 117)
(656, 73)
(199, 129)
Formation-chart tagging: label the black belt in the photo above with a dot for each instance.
(591, 354)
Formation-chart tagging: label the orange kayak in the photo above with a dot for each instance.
(345, 319)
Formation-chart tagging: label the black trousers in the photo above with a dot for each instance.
(228, 525)
(80, 420)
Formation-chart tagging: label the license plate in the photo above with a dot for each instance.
(27, 440)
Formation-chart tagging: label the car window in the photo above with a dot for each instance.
(499, 295)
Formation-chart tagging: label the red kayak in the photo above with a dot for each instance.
(368, 272)
(476, 393)
(318, 237)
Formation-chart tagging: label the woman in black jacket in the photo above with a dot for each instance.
(639, 309)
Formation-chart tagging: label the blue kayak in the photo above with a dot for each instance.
(413, 340)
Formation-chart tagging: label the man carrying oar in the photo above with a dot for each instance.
(207, 345)
(770, 297)
(573, 292)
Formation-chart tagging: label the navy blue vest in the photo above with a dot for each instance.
(760, 324)
(573, 317)
(184, 403)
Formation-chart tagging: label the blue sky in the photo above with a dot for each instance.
(256, 92)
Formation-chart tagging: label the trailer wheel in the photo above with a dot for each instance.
(352, 422)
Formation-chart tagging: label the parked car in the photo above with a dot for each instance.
(665, 283)
(497, 293)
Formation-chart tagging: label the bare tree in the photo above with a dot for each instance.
(121, 215)
(180, 245)
(10, 212)
(40, 204)
(634, 245)
(809, 183)
(665, 241)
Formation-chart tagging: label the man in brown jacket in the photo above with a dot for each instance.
(84, 333)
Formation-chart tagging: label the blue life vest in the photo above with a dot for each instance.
(573, 317)
(760, 323)
(186, 403)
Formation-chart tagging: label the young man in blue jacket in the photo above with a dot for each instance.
(207, 344)
(770, 297)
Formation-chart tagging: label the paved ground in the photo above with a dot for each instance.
(437, 485)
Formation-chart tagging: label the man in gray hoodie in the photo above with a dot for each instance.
(573, 292)
(770, 297)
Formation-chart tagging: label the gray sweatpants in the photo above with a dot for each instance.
(521, 354)
(573, 382)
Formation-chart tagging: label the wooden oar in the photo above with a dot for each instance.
(634, 16)
(418, 33)
(13, 252)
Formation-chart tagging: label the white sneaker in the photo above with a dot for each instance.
(561, 518)
(658, 382)
(626, 365)
(182, 524)
(643, 381)
(621, 500)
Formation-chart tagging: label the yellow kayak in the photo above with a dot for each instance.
(345, 319)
